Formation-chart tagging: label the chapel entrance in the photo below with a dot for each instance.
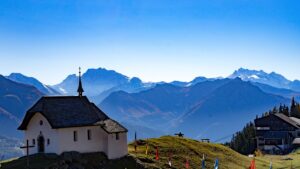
(41, 144)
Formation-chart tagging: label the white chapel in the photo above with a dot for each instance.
(57, 124)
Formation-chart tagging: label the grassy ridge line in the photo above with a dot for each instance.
(183, 148)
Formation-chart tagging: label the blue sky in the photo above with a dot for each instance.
(153, 39)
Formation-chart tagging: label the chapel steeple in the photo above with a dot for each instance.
(80, 89)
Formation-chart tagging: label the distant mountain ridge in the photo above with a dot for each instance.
(102, 83)
(287, 93)
(99, 83)
(203, 107)
(95, 81)
(15, 99)
(173, 108)
(271, 79)
(20, 78)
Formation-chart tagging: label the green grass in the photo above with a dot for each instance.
(183, 149)
(180, 148)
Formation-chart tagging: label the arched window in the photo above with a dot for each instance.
(89, 134)
(75, 136)
(117, 136)
(41, 122)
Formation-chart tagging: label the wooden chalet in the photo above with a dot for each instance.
(277, 133)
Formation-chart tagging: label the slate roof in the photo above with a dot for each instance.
(288, 120)
(71, 111)
(295, 120)
(296, 141)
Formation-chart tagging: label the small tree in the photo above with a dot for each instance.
(243, 141)
(285, 110)
(274, 111)
(280, 110)
(295, 112)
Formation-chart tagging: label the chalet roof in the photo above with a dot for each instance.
(296, 141)
(71, 111)
(288, 120)
(295, 120)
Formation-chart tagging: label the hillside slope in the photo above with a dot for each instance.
(182, 149)
(15, 99)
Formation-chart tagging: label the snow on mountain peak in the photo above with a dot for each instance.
(272, 79)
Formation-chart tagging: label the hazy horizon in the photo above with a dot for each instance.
(226, 76)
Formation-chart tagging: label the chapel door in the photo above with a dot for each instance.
(41, 144)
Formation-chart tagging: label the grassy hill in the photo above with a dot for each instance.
(180, 148)
(183, 149)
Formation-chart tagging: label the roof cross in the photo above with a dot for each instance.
(79, 71)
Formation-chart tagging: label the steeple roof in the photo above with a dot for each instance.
(80, 89)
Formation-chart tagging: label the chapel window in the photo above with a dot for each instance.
(75, 136)
(117, 136)
(41, 122)
(89, 135)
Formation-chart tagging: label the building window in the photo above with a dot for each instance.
(33, 141)
(41, 122)
(262, 128)
(48, 141)
(89, 135)
(117, 136)
(75, 136)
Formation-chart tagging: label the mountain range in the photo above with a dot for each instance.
(20, 78)
(99, 83)
(15, 99)
(271, 79)
(203, 107)
(204, 110)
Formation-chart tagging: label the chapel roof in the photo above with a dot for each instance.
(71, 111)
